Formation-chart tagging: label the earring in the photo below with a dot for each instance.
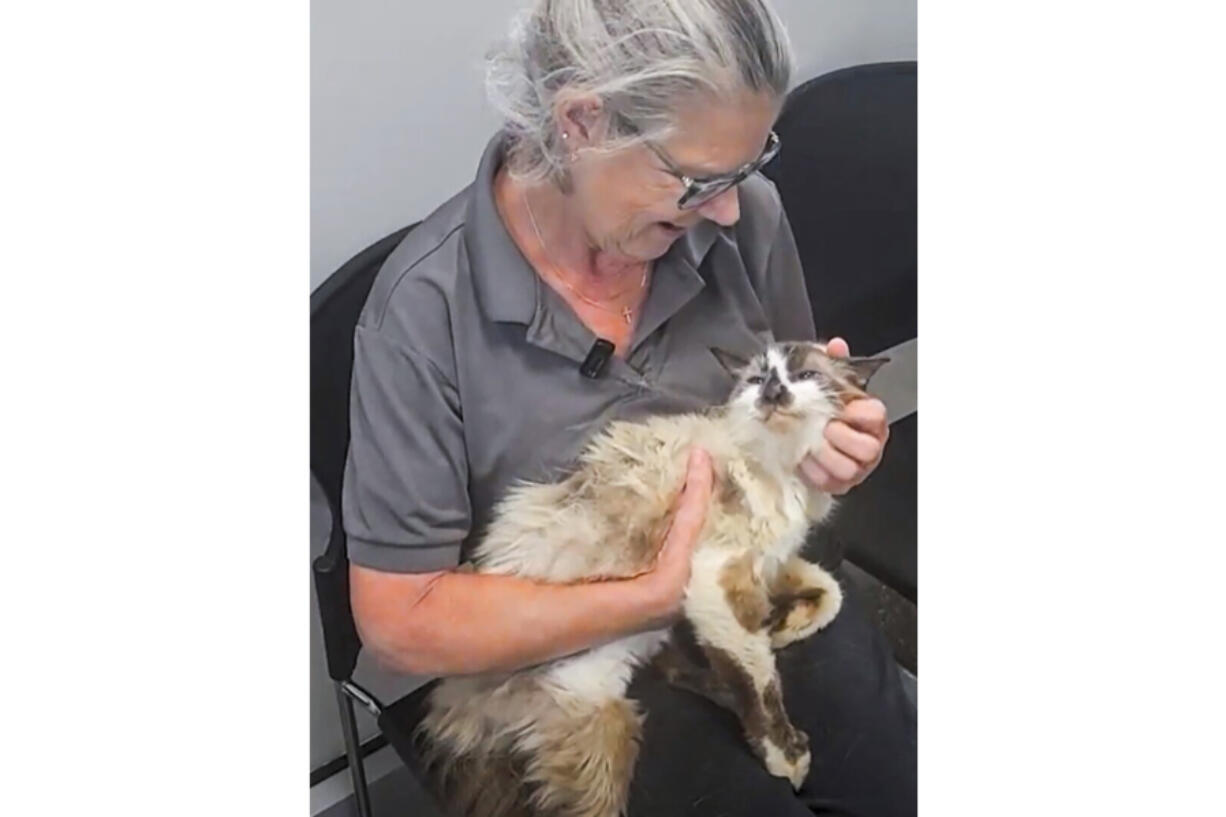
(565, 135)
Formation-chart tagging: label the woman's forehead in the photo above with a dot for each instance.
(720, 136)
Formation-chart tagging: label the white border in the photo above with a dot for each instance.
(155, 335)
(1070, 226)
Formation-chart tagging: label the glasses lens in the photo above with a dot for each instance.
(702, 192)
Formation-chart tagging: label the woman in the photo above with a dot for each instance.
(619, 203)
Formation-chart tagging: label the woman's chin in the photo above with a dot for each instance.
(655, 241)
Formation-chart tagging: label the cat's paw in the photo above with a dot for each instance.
(800, 770)
(806, 616)
(791, 761)
(785, 752)
(805, 611)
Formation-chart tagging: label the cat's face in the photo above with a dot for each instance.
(791, 384)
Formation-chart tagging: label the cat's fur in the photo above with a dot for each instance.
(561, 738)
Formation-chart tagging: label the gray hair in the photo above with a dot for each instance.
(639, 57)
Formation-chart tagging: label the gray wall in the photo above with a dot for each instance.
(397, 123)
(398, 116)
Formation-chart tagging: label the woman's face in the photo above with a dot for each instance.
(628, 199)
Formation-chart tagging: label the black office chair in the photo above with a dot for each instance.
(847, 177)
(335, 307)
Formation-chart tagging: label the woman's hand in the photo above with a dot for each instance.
(665, 583)
(853, 443)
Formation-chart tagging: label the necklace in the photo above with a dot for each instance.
(626, 312)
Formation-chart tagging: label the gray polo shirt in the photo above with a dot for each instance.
(466, 365)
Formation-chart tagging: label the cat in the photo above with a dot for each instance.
(561, 738)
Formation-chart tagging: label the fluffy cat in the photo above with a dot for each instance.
(561, 738)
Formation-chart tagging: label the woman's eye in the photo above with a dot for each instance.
(807, 374)
(755, 379)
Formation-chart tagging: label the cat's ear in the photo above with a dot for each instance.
(862, 369)
(733, 364)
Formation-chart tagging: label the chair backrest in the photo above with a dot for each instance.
(846, 174)
(335, 307)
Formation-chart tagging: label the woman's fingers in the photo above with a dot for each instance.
(838, 465)
(859, 446)
(817, 476)
(692, 504)
(869, 415)
(837, 347)
(667, 581)
(853, 443)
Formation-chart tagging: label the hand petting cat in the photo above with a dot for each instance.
(854, 443)
(666, 581)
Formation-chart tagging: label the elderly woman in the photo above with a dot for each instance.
(616, 231)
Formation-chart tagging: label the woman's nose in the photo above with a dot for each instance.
(724, 209)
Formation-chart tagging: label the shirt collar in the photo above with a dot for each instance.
(505, 282)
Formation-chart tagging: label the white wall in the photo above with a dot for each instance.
(398, 116)
(398, 120)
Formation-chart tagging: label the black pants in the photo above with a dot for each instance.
(841, 686)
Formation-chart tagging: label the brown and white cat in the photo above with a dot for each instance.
(561, 738)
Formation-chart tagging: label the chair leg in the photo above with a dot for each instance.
(349, 728)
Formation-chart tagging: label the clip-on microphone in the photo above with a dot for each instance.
(597, 359)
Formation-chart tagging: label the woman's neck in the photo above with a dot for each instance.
(547, 227)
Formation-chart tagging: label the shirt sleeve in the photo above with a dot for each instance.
(784, 296)
(405, 497)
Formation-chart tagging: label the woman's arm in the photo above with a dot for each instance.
(453, 623)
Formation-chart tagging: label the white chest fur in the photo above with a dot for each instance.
(604, 672)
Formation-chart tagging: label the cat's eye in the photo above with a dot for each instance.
(807, 374)
(755, 379)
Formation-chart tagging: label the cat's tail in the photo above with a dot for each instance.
(465, 742)
(524, 748)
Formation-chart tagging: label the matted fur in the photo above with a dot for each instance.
(566, 728)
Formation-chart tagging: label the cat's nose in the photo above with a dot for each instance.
(773, 391)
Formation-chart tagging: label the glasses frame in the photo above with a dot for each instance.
(699, 191)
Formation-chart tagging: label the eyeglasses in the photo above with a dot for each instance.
(700, 191)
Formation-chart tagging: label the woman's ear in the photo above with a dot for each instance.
(581, 121)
